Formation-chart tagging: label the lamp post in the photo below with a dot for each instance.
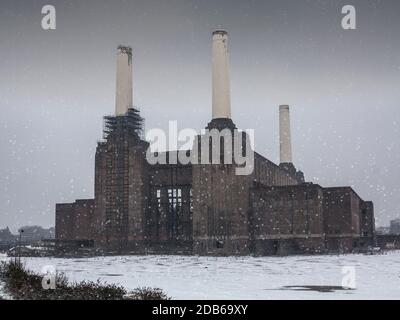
(19, 245)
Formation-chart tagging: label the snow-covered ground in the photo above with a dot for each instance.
(377, 276)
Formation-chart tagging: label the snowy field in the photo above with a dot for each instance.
(377, 276)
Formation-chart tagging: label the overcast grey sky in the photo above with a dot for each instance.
(55, 87)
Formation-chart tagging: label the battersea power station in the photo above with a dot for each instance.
(207, 207)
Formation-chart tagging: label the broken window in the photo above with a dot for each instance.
(159, 198)
(175, 198)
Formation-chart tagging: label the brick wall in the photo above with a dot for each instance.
(73, 220)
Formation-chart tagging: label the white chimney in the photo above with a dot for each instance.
(124, 100)
(284, 135)
(221, 100)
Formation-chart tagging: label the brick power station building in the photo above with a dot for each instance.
(207, 209)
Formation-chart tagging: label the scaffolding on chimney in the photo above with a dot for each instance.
(117, 191)
(119, 131)
(130, 122)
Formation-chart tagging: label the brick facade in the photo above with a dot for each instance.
(74, 220)
(207, 208)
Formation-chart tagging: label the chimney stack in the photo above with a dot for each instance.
(221, 100)
(284, 135)
(123, 100)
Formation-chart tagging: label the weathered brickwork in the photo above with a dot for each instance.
(74, 220)
(316, 219)
(208, 209)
